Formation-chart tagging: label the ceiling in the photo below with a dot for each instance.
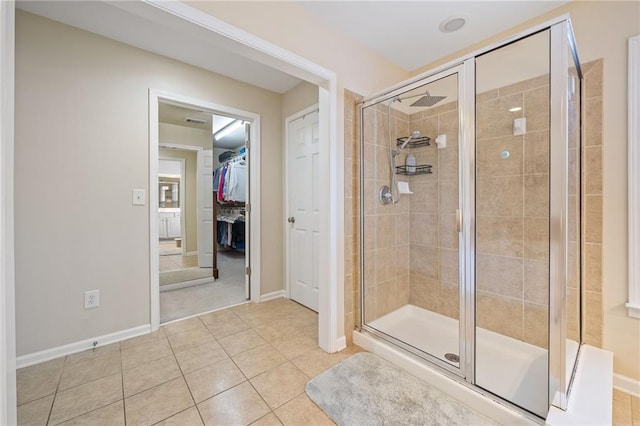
(165, 35)
(177, 115)
(407, 32)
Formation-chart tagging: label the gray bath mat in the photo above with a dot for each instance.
(365, 390)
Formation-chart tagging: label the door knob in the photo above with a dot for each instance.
(291, 219)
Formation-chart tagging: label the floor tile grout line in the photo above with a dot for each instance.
(124, 402)
(55, 394)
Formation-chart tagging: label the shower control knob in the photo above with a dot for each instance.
(291, 219)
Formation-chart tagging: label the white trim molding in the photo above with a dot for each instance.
(7, 268)
(273, 295)
(155, 96)
(82, 345)
(633, 304)
(626, 385)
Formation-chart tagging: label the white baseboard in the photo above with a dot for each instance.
(272, 295)
(83, 345)
(184, 284)
(626, 384)
(341, 343)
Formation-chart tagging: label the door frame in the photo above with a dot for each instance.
(331, 316)
(155, 96)
(8, 394)
(183, 172)
(285, 161)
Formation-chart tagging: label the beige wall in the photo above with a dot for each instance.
(602, 29)
(190, 210)
(81, 146)
(183, 135)
(300, 97)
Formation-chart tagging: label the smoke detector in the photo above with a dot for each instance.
(194, 120)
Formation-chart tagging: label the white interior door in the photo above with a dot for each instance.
(205, 209)
(303, 161)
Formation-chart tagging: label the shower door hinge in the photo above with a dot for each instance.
(459, 219)
(248, 270)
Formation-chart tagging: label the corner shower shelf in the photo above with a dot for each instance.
(414, 142)
(420, 169)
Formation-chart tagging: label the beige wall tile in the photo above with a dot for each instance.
(402, 229)
(385, 228)
(423, 230)
(493, 116)
(387, 297)
(536, 325)
(593, 318)
(593, 169)
(536, 195)
(427, 126)
(499, 314)
(536, 108)
(500, 275)
(403, 260)
(448, 192)
(448, 160)
(536, 152)
(593, 122)
(525, 85)
(449, 264)
(449, 301)
(593, 267)
(490, 153)
(369, 151)
(424, 260)
(536, 282)
(536, 238)
(385, 264)
(424, 291)
(501, 236)
(593, 219)
(448, 233)
(382, 128)
(383, 164)
(486, 96)
(425, 198)
(500, 196)
(593, 80)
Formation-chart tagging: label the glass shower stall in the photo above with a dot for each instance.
(470, 214)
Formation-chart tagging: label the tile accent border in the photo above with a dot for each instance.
(82, 345)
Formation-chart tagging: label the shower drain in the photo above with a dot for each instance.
(451, 357)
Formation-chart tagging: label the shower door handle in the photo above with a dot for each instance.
(459, 220)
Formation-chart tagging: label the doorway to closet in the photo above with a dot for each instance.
(203, 190)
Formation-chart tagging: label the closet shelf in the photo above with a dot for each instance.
(420, 169)
(414, 142)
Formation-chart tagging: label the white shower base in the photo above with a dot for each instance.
(507, 367)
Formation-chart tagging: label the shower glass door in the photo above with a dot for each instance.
(512, 222)
(410, 211)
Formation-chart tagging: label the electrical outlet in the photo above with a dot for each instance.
(91, 299)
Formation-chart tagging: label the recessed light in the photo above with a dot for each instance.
(515, 109)
(452, 23)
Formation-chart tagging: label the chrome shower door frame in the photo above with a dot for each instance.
(466, 90)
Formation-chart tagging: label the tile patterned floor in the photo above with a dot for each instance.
(626, 409)
(244, 365)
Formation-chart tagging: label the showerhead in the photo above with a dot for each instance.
(427, 100)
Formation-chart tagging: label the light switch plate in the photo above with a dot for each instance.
(138, 197)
